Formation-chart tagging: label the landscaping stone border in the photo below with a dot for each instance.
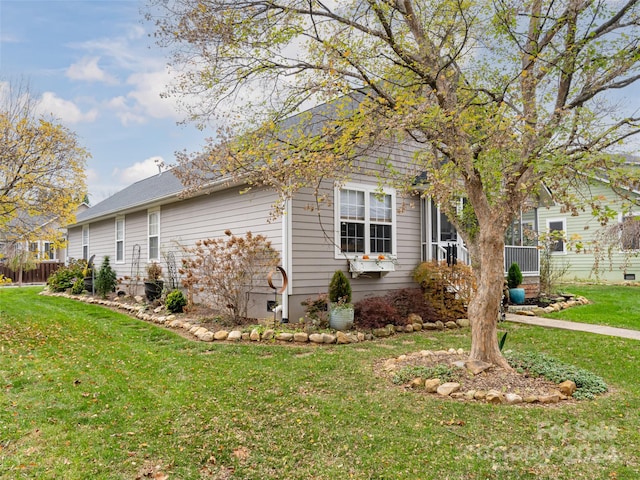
(142, 312)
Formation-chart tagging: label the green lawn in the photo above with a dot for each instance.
(89, 393)
(612, 305)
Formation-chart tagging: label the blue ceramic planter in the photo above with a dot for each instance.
(516, 295)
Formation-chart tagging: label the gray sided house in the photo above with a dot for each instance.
(150, 217)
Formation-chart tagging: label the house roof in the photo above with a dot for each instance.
(154, 189)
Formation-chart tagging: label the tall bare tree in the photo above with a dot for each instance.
(500, 95)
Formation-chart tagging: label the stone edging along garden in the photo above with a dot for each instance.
(192, 326)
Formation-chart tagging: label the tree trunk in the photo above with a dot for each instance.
(484, 307)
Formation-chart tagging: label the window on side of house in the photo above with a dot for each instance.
(558, 225)
(120, 240)
(85, 242)
(48, 252)
(366, 219)
(153, 243)
(630, 232)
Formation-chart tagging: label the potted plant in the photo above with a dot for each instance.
(153, 284)
(514, 280)
(341, 308)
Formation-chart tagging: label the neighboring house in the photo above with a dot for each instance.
(584, 229)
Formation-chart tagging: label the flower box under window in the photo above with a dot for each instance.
(364, 266)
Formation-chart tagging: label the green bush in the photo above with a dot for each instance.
(78, 286)
(514, 276)
(106, 280)
(65, 277)
(588, 384)
(176, 301)
(339, 288)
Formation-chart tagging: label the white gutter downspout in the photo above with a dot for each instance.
(287, 255)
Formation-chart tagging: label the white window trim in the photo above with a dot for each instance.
(563, 220)
(149, 212)
(85, 228)
(367, 189)
(124, 254)
(621, 218)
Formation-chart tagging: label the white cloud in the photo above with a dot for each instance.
(147, 91)
(137, 171)
(87, 69)
(65, 110)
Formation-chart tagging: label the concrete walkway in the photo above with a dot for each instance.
(581, 327)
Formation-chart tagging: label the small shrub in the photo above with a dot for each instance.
(448, 288)
(107, 279)
(339, 288)
(444, 372)
(4, 280)
(65, 277)
(223, 272)
(412, 300)
(316, 310)
(375, 312)
(588, 384)
(176, 301)
(78, 286)
(514, 276)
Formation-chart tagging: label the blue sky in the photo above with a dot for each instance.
(93, 66)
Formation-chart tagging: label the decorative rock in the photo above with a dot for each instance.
(431, 385)
(158, 309)
(477, 366)
(186, 325)
(429, 326)
(439, 325)
(254, 336)
(525, 313)
(512, 398)
(246, 336)
(138, 299)
(426, 353)
(200, 331)
(457, 395)
(451, 325)
(495, 397)
(567, 388)
(194, 329)
(300, 337)
(221, 335)
(402, 358)
(530, 399)
(463, 322)
(328, 338)
(553, 398)
(284, 337)
(361, 337)
(342, 338)
(368, 336)
(470, 394)
(416, 327)
(448, 388)
(268, 334)
(353, 338)
(175, 324)
(399, 328)
(207, 337)
(538, 311)
(459, 363)
(452, 351)
(460, 351)
(416, 382)
(549, 309)
(381, 332)
(414, 318)
(316, 338)
(408, 328)
(235, 336)
(480, 395)
(390, 365)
